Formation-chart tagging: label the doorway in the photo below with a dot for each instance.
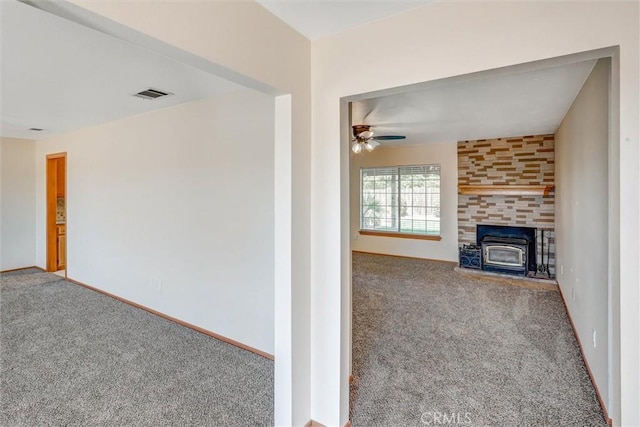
(601, 360)
(57, 213)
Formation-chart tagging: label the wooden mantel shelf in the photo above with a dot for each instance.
(506, 190)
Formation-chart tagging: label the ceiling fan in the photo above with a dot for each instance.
(365, 139)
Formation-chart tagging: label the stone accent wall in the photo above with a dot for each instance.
(527, 160)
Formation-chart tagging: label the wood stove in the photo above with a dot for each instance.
(504, 254)
(509, 250)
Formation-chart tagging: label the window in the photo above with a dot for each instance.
(403, 200)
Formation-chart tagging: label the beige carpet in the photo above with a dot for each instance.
(73, 357)
(435, 347)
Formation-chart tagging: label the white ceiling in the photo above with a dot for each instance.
(492, 106)
(59, 76)
(315, 19)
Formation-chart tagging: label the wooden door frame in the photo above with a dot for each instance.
(51, 184)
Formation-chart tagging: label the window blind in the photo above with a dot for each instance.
(403, 199)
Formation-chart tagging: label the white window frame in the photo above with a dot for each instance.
(432, 226)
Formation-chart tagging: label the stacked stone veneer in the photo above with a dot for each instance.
(527, 160)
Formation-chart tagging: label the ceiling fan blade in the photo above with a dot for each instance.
(389, 137)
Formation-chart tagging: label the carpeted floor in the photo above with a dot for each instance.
(431, 345)
(70, 356)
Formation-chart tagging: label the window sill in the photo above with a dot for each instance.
(400, 235)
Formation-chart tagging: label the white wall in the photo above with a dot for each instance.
(440, 40)
(446, 155)
(17, 198)
(582, 188)
(242, 41)
(183, 196)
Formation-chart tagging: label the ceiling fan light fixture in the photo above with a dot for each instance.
(366, 134)
(365, 139)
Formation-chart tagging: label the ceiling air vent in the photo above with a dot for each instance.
(36, 129)
(152, 94)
